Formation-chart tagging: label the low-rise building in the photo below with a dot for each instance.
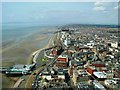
(51, 74)
(99, 86)
(90, 70)
(100, 75)
(84, 86)
(63, 58)
(112, 83)
(114, 44)
(20, 69)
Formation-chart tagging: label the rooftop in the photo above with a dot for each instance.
(98, 85)
(100, 74)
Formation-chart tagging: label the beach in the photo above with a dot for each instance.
(19, 52)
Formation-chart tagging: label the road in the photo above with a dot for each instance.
(52, 61)
(18, 82)
(36, 57)
(22, 84)
(35, 84)
(27, 80)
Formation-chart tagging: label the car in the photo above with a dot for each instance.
(32, 84)
(40, 74)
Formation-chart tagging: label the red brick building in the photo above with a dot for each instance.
(62, 58)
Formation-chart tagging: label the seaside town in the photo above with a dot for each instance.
(78, 58)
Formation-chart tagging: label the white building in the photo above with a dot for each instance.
(114, 44)
(48, 77)
(111, 83)
(100, 75)
(67, 41)
(98, 85)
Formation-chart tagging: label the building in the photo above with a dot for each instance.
(114, 44)
(61, 64)
(82, 73)
(100, 75)
(67, 42)
(46, 76)
(90, 70)
(117, 73)
(109, 74)
(83, 55)
(63, 58)
(51, 74)
(84, 86)
(56, 51)
(64, 34)
(99, 86)
(90, 44)
(112, 83)
(98, 64)
(20, 69)
(98, 72)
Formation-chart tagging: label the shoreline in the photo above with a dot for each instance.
(39, 50)
(20, 52)
(30, 44)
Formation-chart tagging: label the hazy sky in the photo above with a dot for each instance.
(60, 13)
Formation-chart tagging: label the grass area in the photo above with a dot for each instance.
(81, 79)
(44, 59)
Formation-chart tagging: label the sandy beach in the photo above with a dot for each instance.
(20, 52)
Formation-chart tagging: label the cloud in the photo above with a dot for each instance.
(99, 6)
(117, 7)
(106, 6)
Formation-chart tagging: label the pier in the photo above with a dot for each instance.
(3, 69)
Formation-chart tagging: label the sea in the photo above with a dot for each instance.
(18, 32)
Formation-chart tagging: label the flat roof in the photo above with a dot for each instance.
(19, 66)
(100, 74)
(98, 85)
(82, 53)
(92, 67)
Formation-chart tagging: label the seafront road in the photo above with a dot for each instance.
(26, 81)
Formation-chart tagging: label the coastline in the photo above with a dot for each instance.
(19, 52)
(39, 50)
(22, 51)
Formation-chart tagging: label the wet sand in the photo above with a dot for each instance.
(19, 52)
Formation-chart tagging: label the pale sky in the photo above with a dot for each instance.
(51, 13)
